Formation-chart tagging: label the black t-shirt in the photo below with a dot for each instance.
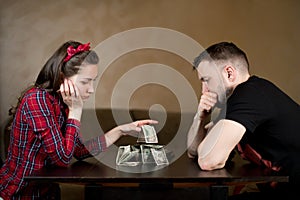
(271, 119)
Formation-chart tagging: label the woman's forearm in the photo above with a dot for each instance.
(113, 135)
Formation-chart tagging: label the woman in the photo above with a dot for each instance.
(46, 126)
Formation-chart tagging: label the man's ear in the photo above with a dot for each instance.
(230, 73)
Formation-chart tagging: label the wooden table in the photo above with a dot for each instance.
(184, 172)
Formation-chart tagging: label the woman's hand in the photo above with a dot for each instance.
(132, 129)
(135, 127)
(71, 98)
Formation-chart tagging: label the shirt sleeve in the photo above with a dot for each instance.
(89, 148)
(41, 118)
(249, 107)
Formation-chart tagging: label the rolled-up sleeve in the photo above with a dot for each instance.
(90, 147)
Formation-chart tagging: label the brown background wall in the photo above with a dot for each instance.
(31, 30)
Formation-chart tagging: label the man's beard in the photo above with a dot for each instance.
(223, 95)
(219, 110)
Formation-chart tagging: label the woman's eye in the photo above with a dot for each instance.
(84, 82)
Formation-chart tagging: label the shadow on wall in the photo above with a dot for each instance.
(166, 132)
(105, 118)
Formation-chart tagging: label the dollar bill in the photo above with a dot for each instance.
(128, 156)
(141, 137)
(147, 156)
(154, 154)
(159, 156)
(133, 155)
(149, 134)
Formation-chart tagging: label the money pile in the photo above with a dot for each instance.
(132, 155)
(128, 155)
(154, 153)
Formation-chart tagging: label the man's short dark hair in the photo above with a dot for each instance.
(221, 51)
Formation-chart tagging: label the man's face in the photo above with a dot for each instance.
(212, 80)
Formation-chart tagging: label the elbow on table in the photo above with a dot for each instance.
(191, 154)
(62, 163)
(209, 164)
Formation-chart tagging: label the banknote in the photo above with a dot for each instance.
(128, 155)
(147, 156)
(141, 137)
(133, 155)
(149, 134)
(154, 154)
(159, 156)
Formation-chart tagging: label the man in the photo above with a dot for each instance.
(260, 119)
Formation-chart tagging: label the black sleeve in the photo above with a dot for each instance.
(248, 106)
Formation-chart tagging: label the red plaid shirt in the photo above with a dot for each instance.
(41, 135)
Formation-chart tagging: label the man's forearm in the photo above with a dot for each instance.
(196, 134)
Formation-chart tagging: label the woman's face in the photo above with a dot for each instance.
(84, 80)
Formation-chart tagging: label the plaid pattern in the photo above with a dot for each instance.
(41, 136)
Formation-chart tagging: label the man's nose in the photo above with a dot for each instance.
(204, 88)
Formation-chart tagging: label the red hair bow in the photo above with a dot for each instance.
(72, 51)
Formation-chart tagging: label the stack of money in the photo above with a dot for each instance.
(128, 155)
(154, 153)
(150, 152)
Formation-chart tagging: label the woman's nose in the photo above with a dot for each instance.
(91, 89)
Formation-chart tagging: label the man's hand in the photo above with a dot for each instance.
(207, 101)
(198, 129)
